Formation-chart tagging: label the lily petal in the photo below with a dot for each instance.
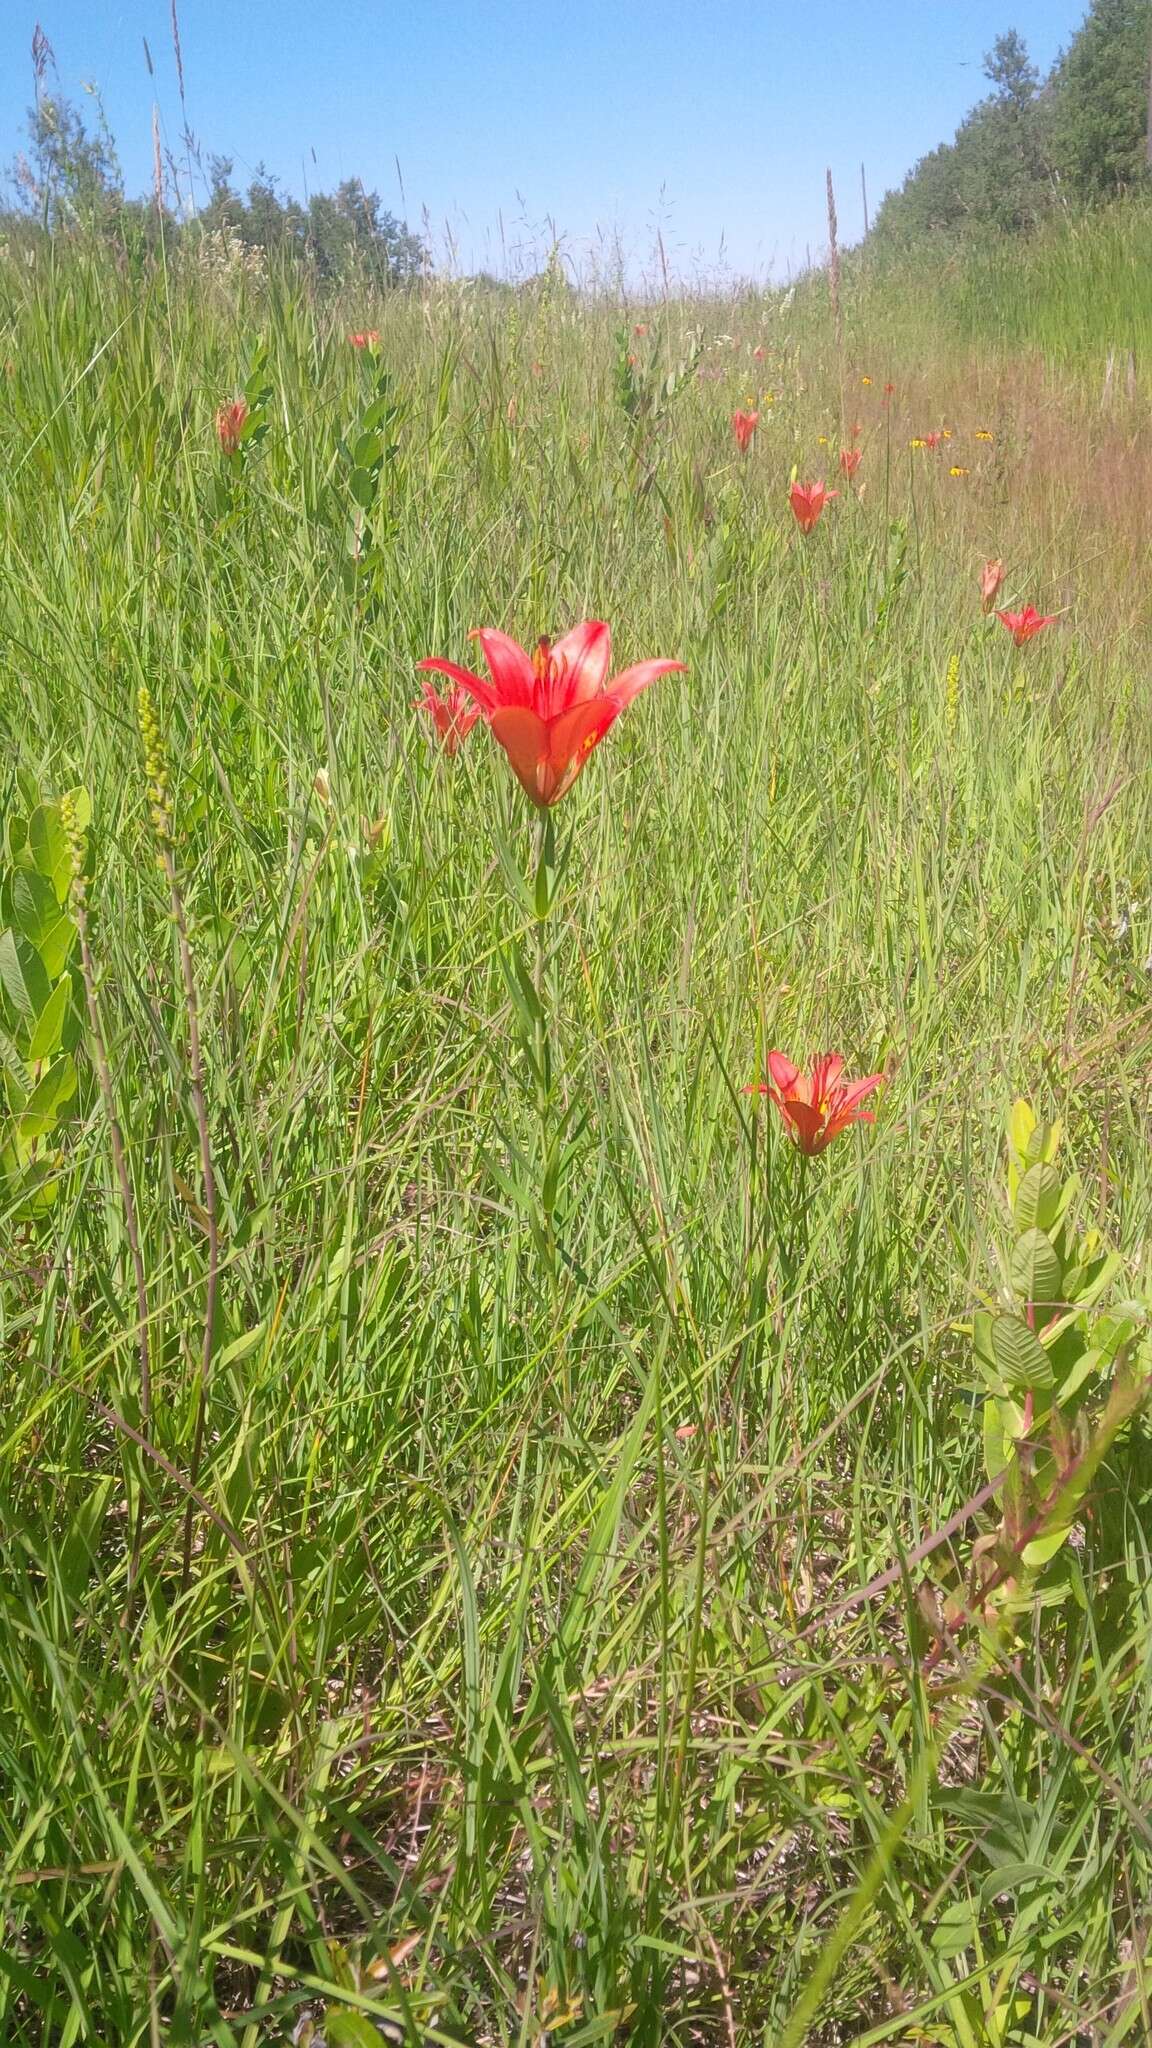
(513, 677)
(783, 1072)
(476, 686)
(581, 658)
(808, 1125)
(524, 738)
(826, 1071)
(854, 1092)
(572, 738)
(629, 683)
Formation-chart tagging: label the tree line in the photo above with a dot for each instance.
(68, 179)
(1036, 145)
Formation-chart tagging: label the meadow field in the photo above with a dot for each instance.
(501, 1543)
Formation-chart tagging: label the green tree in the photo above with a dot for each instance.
(995, 173)
(71, 175)
(1100, 102)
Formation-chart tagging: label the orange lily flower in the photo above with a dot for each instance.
(991, 577)
(808, 502)
(229, 424)
(453, 716)
(816, 1107)
(850, 460)
(549, 709)
(744, 425)
(1022, 625)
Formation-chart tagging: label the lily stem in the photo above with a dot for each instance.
(549, 1133)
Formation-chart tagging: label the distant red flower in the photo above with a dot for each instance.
(368, 339)
(229, 424)
(744, 425)
(641, 328)
(816, 1107)
(548, 710)
(808, 502)
(855, 430)
(850, 460)
(888, 390)
(931, 440)
(991, 577)
(1022, 625)
(757, 355)
(453, 716)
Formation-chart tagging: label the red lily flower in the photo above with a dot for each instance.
(757, 355)
(850, 460)
(1022, 625)
(991, 577)
(744, 425)
(365, 340)
(548, 710)
(229, 422)
(453, 715)
(932, 440)
(808, 502)
(816, 1107)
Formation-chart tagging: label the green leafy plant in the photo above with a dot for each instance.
(370, 449)
(40, 997)
(1062, 1373)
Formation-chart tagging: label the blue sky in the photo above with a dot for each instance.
(710, 121)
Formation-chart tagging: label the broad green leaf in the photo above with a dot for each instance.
(1016, 1877)
(363, 487)
(955, 1927)
(1081, 1371)
(1036, 1272)
(50, 1096)
(40, 920)
(49, 848)
(48, 1032)
(982, 1348)
(368, 450)
(22, 978)
(1021, 1124)
(1042, 1548)
(1037, 1202)
(35, 910)
(241, 1346)
(347, 2029)
(1043, 1144)
(14, 1067)
(997, 1445)
(1019, 1355)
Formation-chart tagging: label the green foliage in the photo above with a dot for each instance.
(69, 180)
(1099, 121)
(1058, 1368)
(40, 1002)
(550, 1661)
(1031, 149)
(370, 455)
(343, 235)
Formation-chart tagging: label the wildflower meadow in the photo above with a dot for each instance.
(575, 1028)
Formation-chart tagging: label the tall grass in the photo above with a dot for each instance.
(510, 1691)
(1071, 296)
